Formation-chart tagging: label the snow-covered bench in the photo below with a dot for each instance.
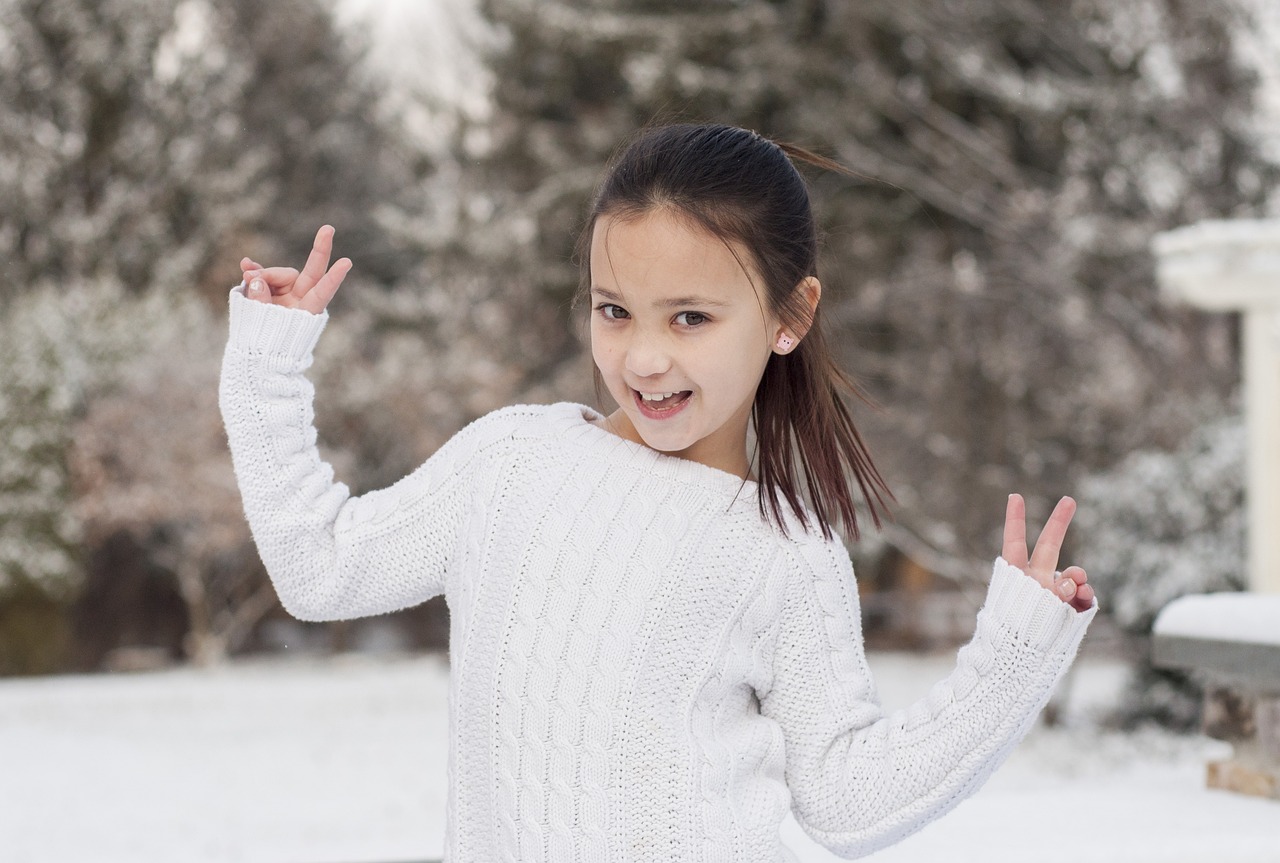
(1232, 640)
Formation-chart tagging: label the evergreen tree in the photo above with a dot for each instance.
(144, 148)
(118, 158)
(154, 143)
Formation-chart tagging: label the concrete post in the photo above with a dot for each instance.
(1235, 266)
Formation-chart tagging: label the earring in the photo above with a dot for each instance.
(785, 343)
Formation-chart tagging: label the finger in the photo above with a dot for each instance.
(317, 262)
(1076, 574)
(257, 290)
(1065, 588)
(249, 264)
(279, 279)
(1015, 532)
(318, 297)
(1044, 558)
(1084, 598)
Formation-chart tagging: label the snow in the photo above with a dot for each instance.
(344, 760)
(1247, 617)
(1239, 234)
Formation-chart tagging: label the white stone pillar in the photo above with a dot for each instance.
(1235, 266)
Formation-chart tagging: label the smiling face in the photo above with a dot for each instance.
(680, 336)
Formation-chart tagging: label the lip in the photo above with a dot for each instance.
(650, 413)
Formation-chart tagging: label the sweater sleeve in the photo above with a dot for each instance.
(330, 555)
(861, 780)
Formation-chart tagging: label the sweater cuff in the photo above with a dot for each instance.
(265, 328)
(1029, 613)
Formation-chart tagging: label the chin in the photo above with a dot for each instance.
(666, 443)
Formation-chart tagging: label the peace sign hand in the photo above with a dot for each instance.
(1071, 584)
(311, 289)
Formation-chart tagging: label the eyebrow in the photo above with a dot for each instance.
(672, 302)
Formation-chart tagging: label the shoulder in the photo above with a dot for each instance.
(809, 549)
(526, 421)
(809, 564)
(521, 426)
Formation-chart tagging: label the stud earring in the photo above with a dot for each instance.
(785, 343)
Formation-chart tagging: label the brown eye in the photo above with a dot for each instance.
(691, 319)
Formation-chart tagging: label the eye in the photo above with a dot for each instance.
(691, 319)
(612, 312)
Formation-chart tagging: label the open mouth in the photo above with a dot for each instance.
(660, 405)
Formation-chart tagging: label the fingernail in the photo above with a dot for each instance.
(1067, 587)
(257, 286)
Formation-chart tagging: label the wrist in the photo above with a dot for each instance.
(271, 329)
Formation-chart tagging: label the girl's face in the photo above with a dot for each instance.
(680, 335)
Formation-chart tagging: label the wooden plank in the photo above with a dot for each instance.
(1243, 778)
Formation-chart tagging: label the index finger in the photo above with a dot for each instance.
(1049, 544)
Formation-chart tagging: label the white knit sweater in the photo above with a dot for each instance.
(642, 668)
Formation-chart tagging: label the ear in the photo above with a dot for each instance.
(786, 338)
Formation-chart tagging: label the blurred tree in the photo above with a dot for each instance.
(149, 460)
(144, 148)
(1161, 525)
(54, 348)
(118, 152)
(154, 143)
(310, 113)
(991, 285)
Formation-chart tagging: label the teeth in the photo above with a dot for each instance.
(656, 397)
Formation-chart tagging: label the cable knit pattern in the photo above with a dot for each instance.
(642, 668)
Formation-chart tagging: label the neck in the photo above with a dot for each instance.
(730, 459)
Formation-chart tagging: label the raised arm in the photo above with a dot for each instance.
(861, 779)
(330, 555)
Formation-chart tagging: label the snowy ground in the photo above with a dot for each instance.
(344, 760)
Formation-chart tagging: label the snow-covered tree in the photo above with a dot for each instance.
(149, 458)
(1160, 524)
(154, 143)
(55, 349)
(118, 153)
(1156, 526)
(144, 148)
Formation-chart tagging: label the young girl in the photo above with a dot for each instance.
(655, 645)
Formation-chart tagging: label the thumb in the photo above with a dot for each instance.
(257, 290)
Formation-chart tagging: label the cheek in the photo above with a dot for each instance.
(732, 375)
(603, 352)
(750, 355)
(599, 349)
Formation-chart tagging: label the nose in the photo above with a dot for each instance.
(647, 355)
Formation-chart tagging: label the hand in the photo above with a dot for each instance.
(1070, 586)
(311, 289)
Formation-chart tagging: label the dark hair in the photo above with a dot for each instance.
(744, 189)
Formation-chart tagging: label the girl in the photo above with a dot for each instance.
(655, 645)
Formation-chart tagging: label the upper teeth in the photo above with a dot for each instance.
(656, 397)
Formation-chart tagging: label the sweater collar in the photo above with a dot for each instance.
(575, 421)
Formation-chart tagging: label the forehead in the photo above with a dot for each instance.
(661, 253)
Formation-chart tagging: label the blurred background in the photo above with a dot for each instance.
(990, 280)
